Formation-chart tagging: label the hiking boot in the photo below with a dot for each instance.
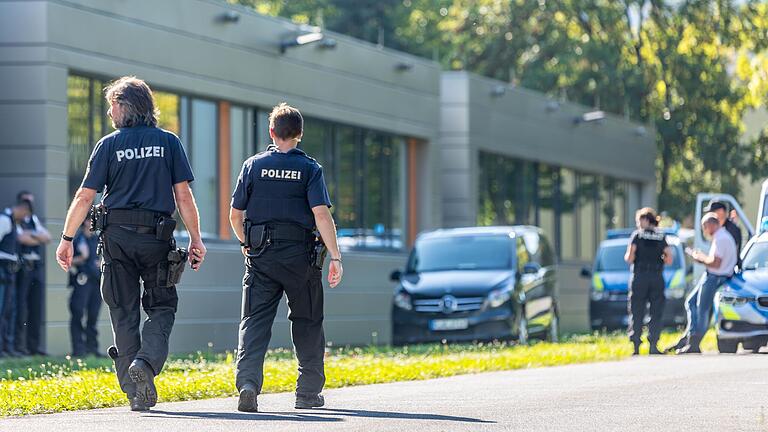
(654, 350)
(309, 401)
(247, 401)
(144, 377)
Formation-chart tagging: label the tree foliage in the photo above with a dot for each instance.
(691, 68)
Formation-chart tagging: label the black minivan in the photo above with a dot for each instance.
(477, 284)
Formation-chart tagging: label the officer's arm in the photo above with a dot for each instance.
(40, 233)
(236, 219)
(185, 201)
(27, 238)
(668, 255)
(629, 256)
(77, 212)
(327, 228)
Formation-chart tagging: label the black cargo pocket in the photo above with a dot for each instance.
(108, 291)
(245, 309)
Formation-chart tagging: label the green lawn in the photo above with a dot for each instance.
(51, 384)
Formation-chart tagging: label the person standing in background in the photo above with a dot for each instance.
(30, 284)
(85, 299)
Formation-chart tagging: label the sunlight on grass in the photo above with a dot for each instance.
(46, 385)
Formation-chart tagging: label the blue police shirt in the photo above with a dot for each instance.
(280, 187)
(137, 167)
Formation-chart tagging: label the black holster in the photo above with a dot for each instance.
(319, 252)
(169, 272)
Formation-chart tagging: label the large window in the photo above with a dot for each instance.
(87, 123)
(202, 154)
(364, 172)
(574, 209)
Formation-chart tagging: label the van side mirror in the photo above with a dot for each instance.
(395, 276)
(586, 273)
(531, 268)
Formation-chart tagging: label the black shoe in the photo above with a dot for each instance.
(22, 351)
(138, 405)
(13, 353)
(309, 401)
(688, 350)
(654, 350)
(636, 350)
(141, 373)
(247, 401)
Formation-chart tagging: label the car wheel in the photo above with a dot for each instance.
(553, 335)
(522, 328)
(753, 346)
(727, 346)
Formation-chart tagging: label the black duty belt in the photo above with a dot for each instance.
(285, 232)
(142, 218)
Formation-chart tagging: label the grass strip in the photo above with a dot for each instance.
(47, 385)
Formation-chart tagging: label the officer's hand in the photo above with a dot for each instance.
(335, 271)
(244, 250)
(196, 254)
(64, 254)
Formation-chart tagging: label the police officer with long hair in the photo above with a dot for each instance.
(279, 199)
(647, 253)
(145, 175)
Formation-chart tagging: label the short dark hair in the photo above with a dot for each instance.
(21, 193)
(648, 214)
(286, 121)
(135, 99)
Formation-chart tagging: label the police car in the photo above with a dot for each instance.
(474, 284)
(741, 306)
(610, 274)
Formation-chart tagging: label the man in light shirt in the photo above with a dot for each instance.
(720, 263)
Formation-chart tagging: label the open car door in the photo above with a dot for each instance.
(701, 243)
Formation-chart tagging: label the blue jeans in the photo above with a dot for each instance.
(698, 306)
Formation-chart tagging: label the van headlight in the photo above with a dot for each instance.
(403, 300)
(498, 297)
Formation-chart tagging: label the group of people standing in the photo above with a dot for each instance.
(22, 282)
(648, 252)
(279, 213)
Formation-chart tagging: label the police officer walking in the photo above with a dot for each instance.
(85, 299)
(145, 175)
(647, 253)
(9, 265)
(279, 199)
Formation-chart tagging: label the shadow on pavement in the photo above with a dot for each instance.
(394, 415)
(242, 416)
(318, 415)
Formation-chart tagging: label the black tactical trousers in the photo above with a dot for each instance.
(30, 295)
(128, 257)
(646, 288)
(282, 267)
(84, 301)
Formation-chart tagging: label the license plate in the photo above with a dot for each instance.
(449, 324)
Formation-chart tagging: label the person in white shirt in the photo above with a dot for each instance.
(720, 262)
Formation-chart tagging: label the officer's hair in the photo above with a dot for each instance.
(286, 121)
(135, 99)
(648, 214)
(710, 218)
(20, 194)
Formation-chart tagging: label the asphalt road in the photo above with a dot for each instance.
(696, 393)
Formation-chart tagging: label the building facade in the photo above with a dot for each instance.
(386, 126)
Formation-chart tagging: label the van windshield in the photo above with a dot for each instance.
(461, 253)
(611, 258)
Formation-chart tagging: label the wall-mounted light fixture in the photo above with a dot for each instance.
(588, 117)
(228, 17)
(498, 90)
(306, 39)
(403, 66)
